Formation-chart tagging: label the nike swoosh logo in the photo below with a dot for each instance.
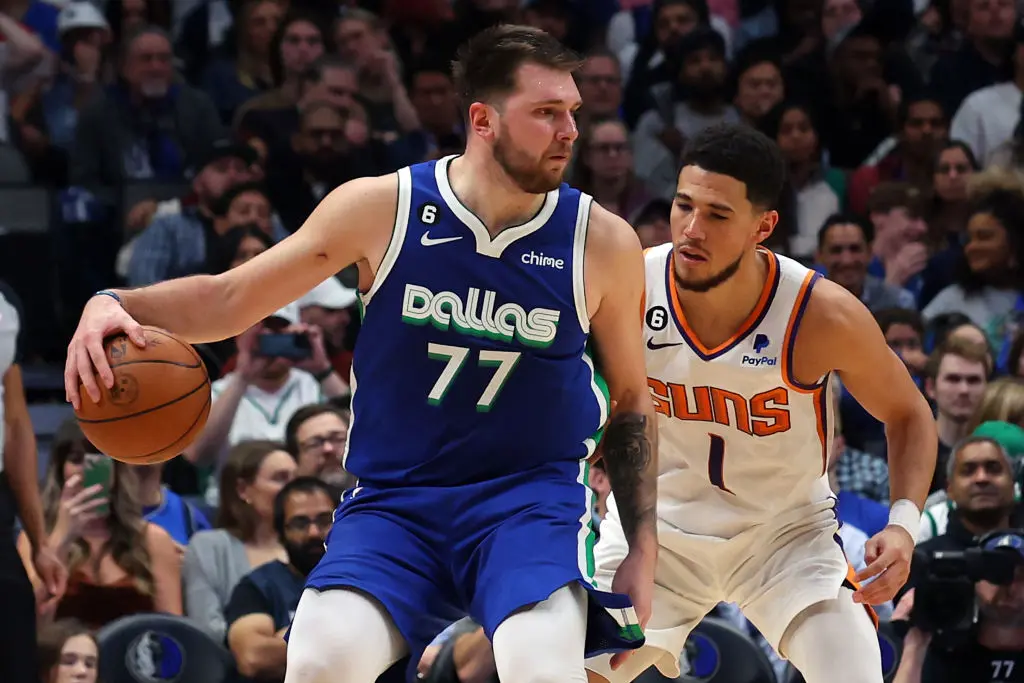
(428, 241)
(654, 347)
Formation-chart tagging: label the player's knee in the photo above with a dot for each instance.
(544, 644)
(324, 648)
(810, 643)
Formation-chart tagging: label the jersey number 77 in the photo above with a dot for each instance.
(503, 362)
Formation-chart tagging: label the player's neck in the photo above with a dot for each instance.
(486, 190)
(724, 308)
(950, 431)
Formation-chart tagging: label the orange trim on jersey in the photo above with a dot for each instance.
(851, 582)
(746, 327)
(792, 327)
(643, 305)
(817, 391)
(821, 422)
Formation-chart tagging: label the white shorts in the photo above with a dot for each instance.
(772, 573)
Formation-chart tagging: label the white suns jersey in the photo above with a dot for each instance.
(741, 442)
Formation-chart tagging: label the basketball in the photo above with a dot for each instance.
(158, 404)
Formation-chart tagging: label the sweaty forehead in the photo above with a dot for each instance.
(537, 84)
(700, 186)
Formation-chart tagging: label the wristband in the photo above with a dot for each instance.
(323, 374)
(112, 294)
(904, 513)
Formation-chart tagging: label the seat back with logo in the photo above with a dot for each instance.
(160, 648)
(891, 645)
(720, 653)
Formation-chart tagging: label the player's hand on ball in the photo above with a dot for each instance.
(635, 578)
(887, 554)
(87, 361)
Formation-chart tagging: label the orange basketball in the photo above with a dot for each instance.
(158, 404)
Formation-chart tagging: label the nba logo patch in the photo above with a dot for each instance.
(760, 343)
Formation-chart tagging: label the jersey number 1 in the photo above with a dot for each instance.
(716, 462)
(503, 362)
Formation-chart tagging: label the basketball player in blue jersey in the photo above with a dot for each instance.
(486, 287)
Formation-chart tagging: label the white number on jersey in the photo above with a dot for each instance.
(504, 362)
(428, 214)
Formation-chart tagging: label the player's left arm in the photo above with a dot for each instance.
(614, 269)
(840, 334)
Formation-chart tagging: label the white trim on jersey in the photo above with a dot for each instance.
(585, 546)
(485, 244)
(602, 403)
(579, 243)
(403, 205)
(351, 411)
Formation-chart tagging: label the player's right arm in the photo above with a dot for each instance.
(839, 334)
(351, 225)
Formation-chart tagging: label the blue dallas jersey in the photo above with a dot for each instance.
(472, 360)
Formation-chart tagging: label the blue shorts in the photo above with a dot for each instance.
(432, 555)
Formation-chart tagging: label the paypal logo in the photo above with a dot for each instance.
(758, 361)
(760, 342)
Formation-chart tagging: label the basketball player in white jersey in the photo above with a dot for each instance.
(742, 349)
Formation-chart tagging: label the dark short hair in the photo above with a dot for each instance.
(315, 73)
(291, 431)
(299, 485)
(887, 317)
(891, 195)
(486, 65)
(743, 153)
(220, 206)
(845, 219)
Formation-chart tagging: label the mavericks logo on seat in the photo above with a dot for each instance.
(154, 657)
(477, 315)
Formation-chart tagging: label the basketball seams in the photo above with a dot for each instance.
(143, 412)
(191, 349)
(158, 433)
(157, 362)
(155, 456)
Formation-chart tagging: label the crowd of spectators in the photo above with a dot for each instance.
(177, 137)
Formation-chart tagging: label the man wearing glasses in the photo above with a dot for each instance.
(316, 436)
(263, 603)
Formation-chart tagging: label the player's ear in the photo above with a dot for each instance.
(766, 225)
(481, 120)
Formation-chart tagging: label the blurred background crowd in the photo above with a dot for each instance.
(142, 140)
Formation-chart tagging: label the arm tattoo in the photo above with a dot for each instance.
(629, 456)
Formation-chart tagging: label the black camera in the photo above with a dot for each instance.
(291, 345)
(944, 599)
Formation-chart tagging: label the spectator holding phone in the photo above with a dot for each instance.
(118, 564)
(281, 366)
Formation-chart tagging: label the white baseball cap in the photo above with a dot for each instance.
(289, 313)
(329, 294)
(80, 14)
